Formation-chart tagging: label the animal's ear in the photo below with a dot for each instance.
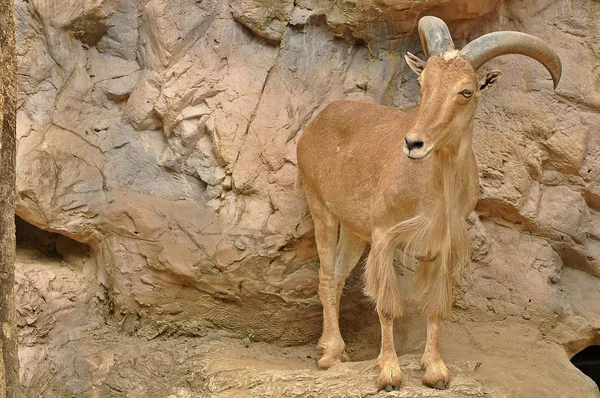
(489, 81)
(415, 63)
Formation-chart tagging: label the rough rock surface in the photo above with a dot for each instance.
(162, 135)
(71, 347)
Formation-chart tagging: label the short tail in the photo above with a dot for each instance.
(299, 187)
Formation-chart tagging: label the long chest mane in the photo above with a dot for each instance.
(438, 227)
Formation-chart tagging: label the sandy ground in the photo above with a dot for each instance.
(71, 348)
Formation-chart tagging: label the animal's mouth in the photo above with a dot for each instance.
(417, 154)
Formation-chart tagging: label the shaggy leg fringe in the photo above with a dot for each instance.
(381, 282)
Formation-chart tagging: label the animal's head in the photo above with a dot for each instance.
(449, 85)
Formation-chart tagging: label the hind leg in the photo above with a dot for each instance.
(326, 236)
(331, 284)
(349, 250)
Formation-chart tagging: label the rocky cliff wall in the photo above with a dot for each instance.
(163, 134)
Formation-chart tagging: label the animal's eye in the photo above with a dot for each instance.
(467, 93)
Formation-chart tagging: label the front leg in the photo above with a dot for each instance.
(436, 372)
(390, 374)
(382, 286)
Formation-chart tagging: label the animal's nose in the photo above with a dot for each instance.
(413, 144)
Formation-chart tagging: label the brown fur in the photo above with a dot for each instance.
(417, 204)
(355, 171)
(403, 178)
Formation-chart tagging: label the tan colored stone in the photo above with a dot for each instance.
(268, 18)
(167, 143)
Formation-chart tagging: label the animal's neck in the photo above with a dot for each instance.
(451, 163)
(456, 151)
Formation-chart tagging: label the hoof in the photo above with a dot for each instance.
(440, 385)
(437, 375)
(345, 356)
(390, 378)
(333, 352)
(390, 387)
(327, 361)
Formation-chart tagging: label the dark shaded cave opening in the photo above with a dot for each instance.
(34, 242)
(588, 362)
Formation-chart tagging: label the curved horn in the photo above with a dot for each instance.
(492, 45)
(435, 36)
